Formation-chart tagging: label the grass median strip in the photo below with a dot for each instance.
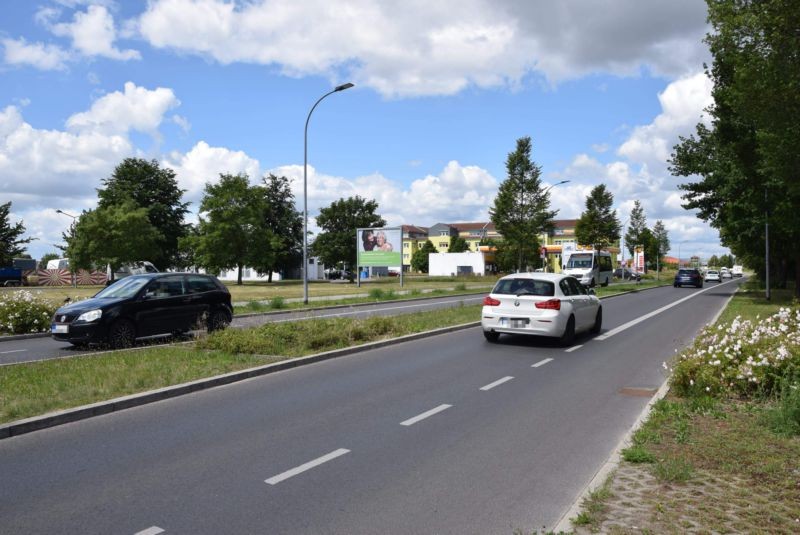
(37, 388)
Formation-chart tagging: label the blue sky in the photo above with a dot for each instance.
(443, 90)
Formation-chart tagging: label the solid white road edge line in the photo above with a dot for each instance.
(649, 315)
(154, 530)
(427, 414)
(540, 363)
(573, 348)
(274, 480)
(14, 351)
(496, 383)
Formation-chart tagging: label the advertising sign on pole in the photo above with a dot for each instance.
(380, 247)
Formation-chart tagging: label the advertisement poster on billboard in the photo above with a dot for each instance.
(380, 246)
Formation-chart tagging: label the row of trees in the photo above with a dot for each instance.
(721, 261)
(654, 242)
(748, 158)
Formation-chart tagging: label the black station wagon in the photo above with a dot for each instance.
(141, 306)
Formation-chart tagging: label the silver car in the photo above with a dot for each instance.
(712, 275)
(541, 304)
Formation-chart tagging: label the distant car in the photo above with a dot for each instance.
(688, 277)
(626, 274)
(140, 306)
(726, 274)
(712, 275)
(736, 271)
(542, 304)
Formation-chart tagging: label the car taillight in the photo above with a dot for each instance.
(550, 304)
(490, 301)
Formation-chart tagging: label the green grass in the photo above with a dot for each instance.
(36, 388)
(39, 387)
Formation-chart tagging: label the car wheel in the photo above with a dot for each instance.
(598, 321)
(217, 321)
(491, 336)
(569, 332)
(122, 334)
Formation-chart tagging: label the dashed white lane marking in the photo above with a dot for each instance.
(427, 414)
(14, 351)
(649, 315)
(496, 383)
(573, 348)
(154, 530)
(274, 480)
(541, 363)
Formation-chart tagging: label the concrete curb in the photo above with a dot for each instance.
(105, 407)
(610, 466)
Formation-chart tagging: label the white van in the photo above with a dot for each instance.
(736, 271)
(590, 267)
(58, 263)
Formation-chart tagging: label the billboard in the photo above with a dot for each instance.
(380, 246)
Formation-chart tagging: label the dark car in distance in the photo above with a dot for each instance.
(688, 277)
(141, 306)
(626, 274)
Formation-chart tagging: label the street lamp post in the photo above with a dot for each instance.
(766, 240)
(305, 189)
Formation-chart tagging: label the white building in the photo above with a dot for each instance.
(447, 264)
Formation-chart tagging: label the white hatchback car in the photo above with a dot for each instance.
(541, 304)
(713, 275)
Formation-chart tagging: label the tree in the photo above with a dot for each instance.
(336, 243)
(280, 236)
(598, 225)
(229, 230)
(458, 245)
(636, 224)
(713, 261)
(660, 241)
(747, 157)
(520, 211)
(156, 190)
(419, 260)
(10, 243)
(112, 235)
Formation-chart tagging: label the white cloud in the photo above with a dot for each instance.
(204, 163)
(93, 34)
(42, 56)
(435, 48)
(137, 108)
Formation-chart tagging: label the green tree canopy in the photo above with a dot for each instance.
(112, 235)
(228, 230)
(660, 240)
(156, 190)
(598, 225)
(336, 243)
(714, 261)
(458, 245)
(747, 158)
(419, 260)
(280, 236)
(636, 224)
(520, 211)
(11, 245)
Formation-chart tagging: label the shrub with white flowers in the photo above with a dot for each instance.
(741, 358)
(22, 312)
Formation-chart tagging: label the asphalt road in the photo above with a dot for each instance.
(33, 349)
(448, 434)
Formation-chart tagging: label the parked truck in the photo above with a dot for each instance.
(11, 276)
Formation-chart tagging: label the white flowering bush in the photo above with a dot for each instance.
(22, 312)
(742, 358)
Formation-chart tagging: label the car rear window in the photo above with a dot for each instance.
(687, 271)
(524, 287)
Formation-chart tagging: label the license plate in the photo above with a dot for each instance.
(61, 329)
(519, 324)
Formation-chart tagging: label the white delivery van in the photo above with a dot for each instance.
(736, 271)
(590, 268)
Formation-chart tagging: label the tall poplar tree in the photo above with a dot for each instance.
(520, 211)
(598, 225)
(636, 225)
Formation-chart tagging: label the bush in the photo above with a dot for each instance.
(744, 358)
(277, 303)
(22, 312)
